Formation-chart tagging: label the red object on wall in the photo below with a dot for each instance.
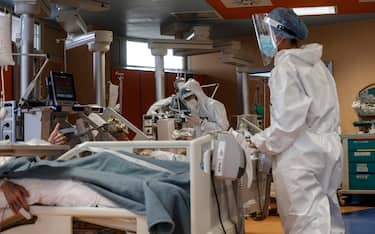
(8, 81)
(131, 97)
(148, 92)
(202, 79)
(169, 83)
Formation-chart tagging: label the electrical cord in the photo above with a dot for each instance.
(217, 202)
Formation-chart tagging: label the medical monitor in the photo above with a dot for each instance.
(61, 87)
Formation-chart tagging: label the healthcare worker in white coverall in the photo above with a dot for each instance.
(207, 114)
(303, 138)
(166, 104)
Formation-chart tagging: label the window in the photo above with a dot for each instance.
(16, 28)
(173, 62)
(139, 55)
(16, 32)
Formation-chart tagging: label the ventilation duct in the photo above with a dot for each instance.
(187, 16)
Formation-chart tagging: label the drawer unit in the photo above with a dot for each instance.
(361, 144)
(362, 181)
(359, 163)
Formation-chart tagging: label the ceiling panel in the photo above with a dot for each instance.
(246, 10)
(354, 6)
(143, 18)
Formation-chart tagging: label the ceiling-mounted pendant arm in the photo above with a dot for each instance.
(99, 43)
(32, 7)
(96, 40)
(71, 21)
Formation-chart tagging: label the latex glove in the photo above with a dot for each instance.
(194, 121)
(56, 137)
(15, 195)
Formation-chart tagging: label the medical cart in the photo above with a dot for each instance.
(358, 165)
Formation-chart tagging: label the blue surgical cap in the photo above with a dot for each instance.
(295, 27)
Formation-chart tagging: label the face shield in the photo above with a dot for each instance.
(190, 100)
(178, 83)
(186, 93)
(267, 38)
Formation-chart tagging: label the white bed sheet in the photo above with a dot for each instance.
(65, 193)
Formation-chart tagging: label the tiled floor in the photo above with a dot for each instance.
(272, 225)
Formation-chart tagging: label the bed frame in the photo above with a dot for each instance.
(204, 215)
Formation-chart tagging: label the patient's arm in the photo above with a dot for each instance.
(15, 195)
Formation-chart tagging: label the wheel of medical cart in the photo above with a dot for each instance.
(344, 199)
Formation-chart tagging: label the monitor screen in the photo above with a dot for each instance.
(63, 85)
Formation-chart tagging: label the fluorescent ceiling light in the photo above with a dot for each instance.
(324, 10)
(190, 37)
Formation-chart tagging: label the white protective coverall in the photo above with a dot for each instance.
(304, 140)
(211, 111)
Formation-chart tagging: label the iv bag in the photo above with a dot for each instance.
(5, 40)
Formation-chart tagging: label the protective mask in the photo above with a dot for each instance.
(193, 106)
(267, 46)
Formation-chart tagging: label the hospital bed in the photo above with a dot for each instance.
(204, 206)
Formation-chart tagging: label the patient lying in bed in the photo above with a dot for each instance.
(65, 193)
(160, 191)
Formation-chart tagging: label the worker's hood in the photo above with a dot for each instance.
(310, 54)
(192, 86)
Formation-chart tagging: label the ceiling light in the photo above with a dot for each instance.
(191, 36)
(324, 10)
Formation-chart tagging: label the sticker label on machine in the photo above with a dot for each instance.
(220, 158)
(362, 154)
(362, 167)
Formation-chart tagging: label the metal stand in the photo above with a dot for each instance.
(29, 88)
(159, 54)
(120, 77)
(27, 45)
(245, 93)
